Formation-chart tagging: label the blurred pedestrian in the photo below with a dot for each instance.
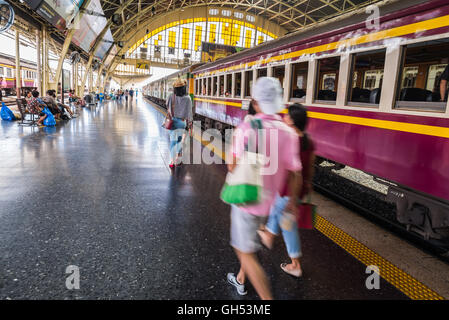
(246, 220)
(179, 105)
(296, 118)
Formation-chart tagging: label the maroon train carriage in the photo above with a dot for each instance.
(8, 73)
(372, 94)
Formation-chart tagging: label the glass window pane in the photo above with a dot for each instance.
(299, 81)
(367, 73)
(248, 83)
(279, 73)
(209, 86)
(424, 75)
(261, 72)
(326, 88)
(238, 85)
(228, 85)
(215, 86)
(222, 93)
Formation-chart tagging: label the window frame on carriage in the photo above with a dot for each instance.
(420, 106)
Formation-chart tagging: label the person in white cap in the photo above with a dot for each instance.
(245, 220)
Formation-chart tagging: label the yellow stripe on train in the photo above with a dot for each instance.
(442, 132)
(380, 35)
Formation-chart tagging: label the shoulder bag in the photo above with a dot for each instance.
(243, 186)
(168, 122)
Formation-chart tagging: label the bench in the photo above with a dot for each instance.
(22, 104)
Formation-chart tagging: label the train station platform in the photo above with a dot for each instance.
(97, 193)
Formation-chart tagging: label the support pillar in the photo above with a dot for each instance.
(45, 70)
(97, 86)
(64, 50)
(18, 70)
(75, 77)
(38, 65)
(91, 79)
(88, 68)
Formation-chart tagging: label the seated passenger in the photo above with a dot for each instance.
(77, 100)
(61, 106)
(52, 105)
(28, 96)
(35, 106)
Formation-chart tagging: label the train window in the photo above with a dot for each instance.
(228, 85)
(299, 81)
(209, 86)
(248, 83)
(203, 87)
(367, 71)
(1, 71)
(8, 72)
(261, 72)
(327, 74)
(279, 73)
(214, 86)
(423, 77)
(221, 83)
(238, 85)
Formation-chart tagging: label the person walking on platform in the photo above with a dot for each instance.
(126, 95)
(131, 93)
(179, 106)
(284, 165)
(296, 119)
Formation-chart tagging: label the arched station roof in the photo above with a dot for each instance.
(127, 22)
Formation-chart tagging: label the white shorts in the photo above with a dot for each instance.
(244, 228)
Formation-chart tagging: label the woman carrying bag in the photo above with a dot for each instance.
(179, 106)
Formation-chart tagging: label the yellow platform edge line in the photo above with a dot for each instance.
(398, 278)
(401, 280)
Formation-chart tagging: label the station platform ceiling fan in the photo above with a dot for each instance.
(6, 16)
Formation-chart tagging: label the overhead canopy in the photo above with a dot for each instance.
(134, 15)
(289, 14)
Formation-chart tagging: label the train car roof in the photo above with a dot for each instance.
(11, 60)
(182, 71)
(334, 26)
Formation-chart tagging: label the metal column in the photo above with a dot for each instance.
(38, 65)
(18, 71)
(45, 70)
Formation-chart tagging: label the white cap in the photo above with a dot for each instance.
(267, 92)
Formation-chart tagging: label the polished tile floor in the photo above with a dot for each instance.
(96, 192)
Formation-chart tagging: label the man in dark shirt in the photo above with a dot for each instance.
(444, 78)
(51, 103)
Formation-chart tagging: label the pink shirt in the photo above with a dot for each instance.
(281, 143)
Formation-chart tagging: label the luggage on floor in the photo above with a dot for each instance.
(6, 113)
(50, 120)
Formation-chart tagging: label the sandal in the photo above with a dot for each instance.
(295, 273)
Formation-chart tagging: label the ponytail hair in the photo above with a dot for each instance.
(298, 114)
